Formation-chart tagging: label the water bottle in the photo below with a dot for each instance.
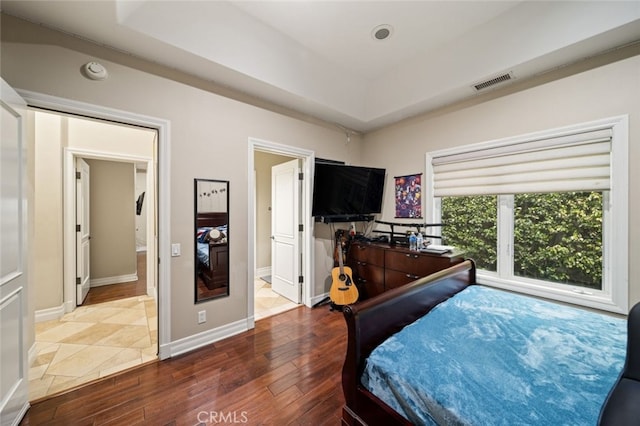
(419, 241)
(413, 241)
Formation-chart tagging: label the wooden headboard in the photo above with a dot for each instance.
(212, 219)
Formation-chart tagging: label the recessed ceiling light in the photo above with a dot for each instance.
(382, 32)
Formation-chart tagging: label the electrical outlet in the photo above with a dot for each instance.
(202, 317)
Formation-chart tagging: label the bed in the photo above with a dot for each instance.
(428, 353)
(212, 247)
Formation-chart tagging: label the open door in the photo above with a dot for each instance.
(83, 234)
(13, 258)
(285, 229)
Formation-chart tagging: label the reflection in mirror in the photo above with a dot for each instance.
(211, 238)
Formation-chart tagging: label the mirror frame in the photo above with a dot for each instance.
(211, 281)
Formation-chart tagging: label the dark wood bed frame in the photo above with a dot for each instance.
(372, 321)
(205, 272)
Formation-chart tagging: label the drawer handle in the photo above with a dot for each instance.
(415, 277)
(362, 263)
(415, 256)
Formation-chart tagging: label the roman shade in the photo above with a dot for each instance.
(568, 162)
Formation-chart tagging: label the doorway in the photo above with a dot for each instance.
(263, 156)
(273, 292)
(120, 332)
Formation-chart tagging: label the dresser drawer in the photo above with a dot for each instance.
(366, 253)
(405, 261)
(393, 279)
(419, 264)
(370, 279)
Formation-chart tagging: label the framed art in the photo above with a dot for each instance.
(408, 194)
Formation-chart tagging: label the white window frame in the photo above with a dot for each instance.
(614, 295)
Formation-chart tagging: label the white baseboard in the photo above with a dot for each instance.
(22, 412)
(141, 249)
(50, 313)
(97, 282)
(261, 272)
(32, 354)
(204, 338)
(318, 299)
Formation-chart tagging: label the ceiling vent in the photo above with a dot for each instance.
(492, 82)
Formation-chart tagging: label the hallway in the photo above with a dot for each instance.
(92, 342)
(115, 329)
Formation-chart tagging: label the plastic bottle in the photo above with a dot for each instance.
(419, 241)
(413, 241)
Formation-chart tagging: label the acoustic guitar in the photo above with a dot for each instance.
(343, 291)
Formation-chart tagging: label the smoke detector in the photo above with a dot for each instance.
(94, 71)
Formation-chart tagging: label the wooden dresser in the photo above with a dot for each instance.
(218, 273)
(379, 267)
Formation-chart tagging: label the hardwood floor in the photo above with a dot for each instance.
(108, 293)
(287, 370)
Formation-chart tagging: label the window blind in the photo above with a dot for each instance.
(573, 162)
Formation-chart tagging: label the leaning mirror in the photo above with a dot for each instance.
(211, 239)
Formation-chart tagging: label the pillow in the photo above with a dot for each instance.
(202, 234)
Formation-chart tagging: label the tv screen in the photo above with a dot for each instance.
(340, 190)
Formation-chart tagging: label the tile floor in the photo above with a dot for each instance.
(92, 342)
(267, 302)
(98, 340)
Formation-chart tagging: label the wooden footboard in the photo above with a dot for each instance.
(372, 321)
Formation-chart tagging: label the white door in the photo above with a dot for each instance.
(13, 258)
(285, 234)
(83, 235)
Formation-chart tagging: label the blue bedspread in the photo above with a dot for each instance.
(489, 357)
(203, 253)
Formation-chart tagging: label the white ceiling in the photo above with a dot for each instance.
(320, 58)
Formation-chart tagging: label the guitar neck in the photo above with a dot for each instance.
(340, 263)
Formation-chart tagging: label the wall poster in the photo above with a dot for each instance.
(409, 196)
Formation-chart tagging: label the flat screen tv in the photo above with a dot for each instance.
(340, 190)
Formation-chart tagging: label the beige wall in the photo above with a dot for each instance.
(209, 135)
(53, 133)
(209, 140)
(112, 219)
(46, 251)
(604, 91)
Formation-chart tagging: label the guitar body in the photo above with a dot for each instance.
(343, 290)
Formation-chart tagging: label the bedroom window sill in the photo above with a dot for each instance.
(595, 299)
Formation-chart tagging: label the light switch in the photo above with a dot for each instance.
(175, 249)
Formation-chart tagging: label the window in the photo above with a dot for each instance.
(472, 225)
(544, 214)
(558, 238)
